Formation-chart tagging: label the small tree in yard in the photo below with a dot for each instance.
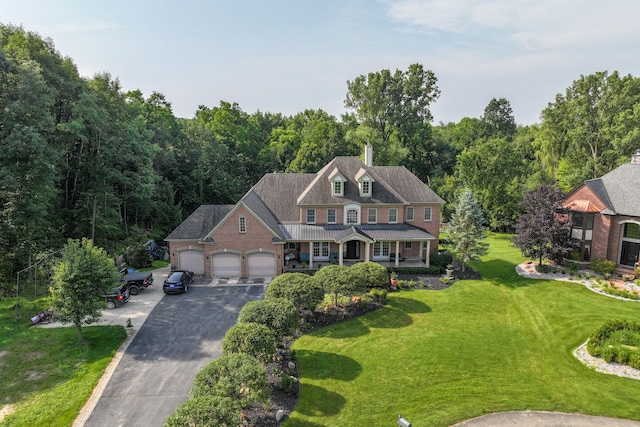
(339, 279)
(206, 411)
(80, 281)
(466, 230)
(540, 232)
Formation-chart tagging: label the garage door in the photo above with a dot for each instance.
(192, 260)
(261, 264)
(226, 265)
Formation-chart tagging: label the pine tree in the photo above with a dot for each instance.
(466, 230)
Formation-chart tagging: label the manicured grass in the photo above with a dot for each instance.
(45, 372)
(502, 343)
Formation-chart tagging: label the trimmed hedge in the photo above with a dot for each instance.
(433, 270)
(305, 292)
(617, 341)
(240, 377)
(206, 411)
(278, 314)
(254, 339)
(374, 274)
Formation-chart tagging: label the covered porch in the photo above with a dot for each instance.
(311, 247)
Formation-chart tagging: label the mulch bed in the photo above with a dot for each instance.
(257, 415)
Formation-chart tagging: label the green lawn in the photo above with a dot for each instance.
(439, 357)
(44, 372)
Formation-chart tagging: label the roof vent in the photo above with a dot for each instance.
(635, 159)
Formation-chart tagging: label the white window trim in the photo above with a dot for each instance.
(410, 217)
(314, 216)
(362, 189)
(430, 210)
(375, 216)
(408, 245)
(335, 217)
(396, 220)
(242, 224)
(355, 207)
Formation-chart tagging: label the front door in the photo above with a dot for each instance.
(353, 250)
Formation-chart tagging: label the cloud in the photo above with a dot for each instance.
(528, 24)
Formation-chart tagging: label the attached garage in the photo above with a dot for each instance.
(192, 260)
(261, 264)
(226, 265)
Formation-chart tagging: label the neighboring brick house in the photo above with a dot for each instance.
(605, 213)
(348, 211)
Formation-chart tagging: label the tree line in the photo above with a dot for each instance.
(83, 157)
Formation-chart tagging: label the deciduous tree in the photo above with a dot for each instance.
(80, 282)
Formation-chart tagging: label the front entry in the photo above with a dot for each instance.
(352, 250)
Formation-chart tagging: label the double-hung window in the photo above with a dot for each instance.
(331, 216)
(372, 217)
(393, 216)
(427, 213)
(410, 213)
(311, 216)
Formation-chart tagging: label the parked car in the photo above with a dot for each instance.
(137, 280)
(178, 281)
(117, 296)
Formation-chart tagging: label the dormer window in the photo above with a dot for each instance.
(365, 182)
(337, 183)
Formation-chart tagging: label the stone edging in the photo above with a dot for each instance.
(600, 365)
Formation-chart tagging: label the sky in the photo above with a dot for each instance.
(286, 56)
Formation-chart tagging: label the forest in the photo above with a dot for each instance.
(85, 157)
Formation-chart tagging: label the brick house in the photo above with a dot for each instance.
(349, 211)
(605, 214)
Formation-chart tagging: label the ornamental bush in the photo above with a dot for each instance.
(617, 341)
(206, 411)
(238, 376)
(300, 288)
(253, 339)
(603, 266)
(278, 314)
(374, 274)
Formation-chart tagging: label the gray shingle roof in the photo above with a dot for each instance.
(253, 202)
(200, 222)
(619, 189)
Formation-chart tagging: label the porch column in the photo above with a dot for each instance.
(310, 255)
(397, 253)
(367, 249)
(340, 257)
(426, 256)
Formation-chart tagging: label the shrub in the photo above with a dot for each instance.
(287, 383)
(305, 292)
(240, 377)
(339, 280)
(373, 274)
(603, 266)
(206, 411)
(379, 294)
(278, 314)
(253, 339)
(614, 342)
(440, 260)
(573, 268)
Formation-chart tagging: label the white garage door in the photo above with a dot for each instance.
(261, 264)
(226, 265)
(192, 260)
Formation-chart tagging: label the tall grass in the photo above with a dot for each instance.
(439, 357)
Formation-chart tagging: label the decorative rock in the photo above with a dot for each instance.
(291, 365)
(280, 415)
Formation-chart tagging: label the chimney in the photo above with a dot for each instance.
(368, 155)
(635, 159)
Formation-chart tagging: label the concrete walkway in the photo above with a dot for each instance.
(544, 419)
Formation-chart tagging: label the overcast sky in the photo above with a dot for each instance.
(290, 55)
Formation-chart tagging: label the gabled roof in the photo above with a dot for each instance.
(393, 185)
(619, 189)
(200, 222)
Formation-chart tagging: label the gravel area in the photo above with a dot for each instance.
(581, 353)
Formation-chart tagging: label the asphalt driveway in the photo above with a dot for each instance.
(180, 336)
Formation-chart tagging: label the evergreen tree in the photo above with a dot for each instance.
(539, 231)
(466, 230)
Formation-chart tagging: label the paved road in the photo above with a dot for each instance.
(544, 419)
(180, 336)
